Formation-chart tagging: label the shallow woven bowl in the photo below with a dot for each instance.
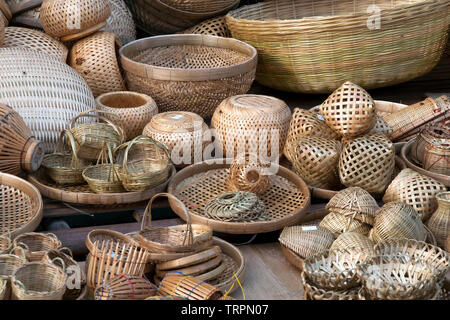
(181, 71)
(58, 168)
(312, 292)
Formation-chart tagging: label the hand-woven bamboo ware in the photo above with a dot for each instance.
(5, 245)
(381, 126)
(18, 6)
(191, 260)
(36, 245)
(396, 278)
(215, 27)
(416, 190)
(103, 235)
(95, 59)
(367, 162)
(124, 287)
(286, 202)
(338, 224)
(254, 124)
(354, 202)
(306, 241)
(134, 109)
(4, 294)
(188, 287)
(5, 10)
(313, 292)
(29, 19)
(121, 22)
(408, 41)
(199, 6)
(9, 263)
(181, 71)
(19, 149)
(35, 40)
(249, 174)
(20, 206)
(354, 240)
(196, 270)
(350, 110)
(57, 21)
(32, 81)
(439, 222)
(181, 132)
(397, 220)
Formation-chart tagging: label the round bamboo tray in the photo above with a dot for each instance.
(181, 71)
(84, 195)
(405, 153)
(190, 184)
(121, 22)
(18, 6)
(22, 206)
(345, 41)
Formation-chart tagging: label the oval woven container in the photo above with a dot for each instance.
(36, 245)
(439, 222)
(251, 124)
(121, 22)
(364, 47)
(90, 16)
(32, 81)
(182, 132)
(181, 71)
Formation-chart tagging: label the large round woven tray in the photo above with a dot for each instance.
(84, 195)
(287, 201)
(410, 164)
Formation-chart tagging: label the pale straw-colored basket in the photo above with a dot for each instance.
(36, 245)
(338, 224)
(439, 223)
(189, 288)
(354, 240)
(121, 22)
(5, 244)
(216, 26)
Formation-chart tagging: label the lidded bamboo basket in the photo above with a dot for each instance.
(354, 240)
(121, 22)
(350, 110)
(416, 190)
(189, 288)
(184, 133)
(71, 20)
(338, 224)
(249, 174)
(32, 81)
(124, 287)
(251, 124)
(36, 245)
(367, 162)
(181, 71)
(95, 59)
(439, 222)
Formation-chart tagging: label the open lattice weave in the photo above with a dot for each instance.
(247, 174)
(216, 27)
(354, 240)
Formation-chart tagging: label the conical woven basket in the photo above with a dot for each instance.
(338, 224)
(121, 22)
(36, 245)
(312, 292)
(439, 222)
(354, 240)
(123, 287)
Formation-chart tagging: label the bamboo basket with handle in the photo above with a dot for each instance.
(18, 6)
(36, 245)
(216, 26)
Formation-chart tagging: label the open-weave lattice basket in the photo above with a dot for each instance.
(189, 288)
(312, 292)
(363, 48)
(338, 224)
(353, 240)
(215, 27)
(181, 71)
(121, 22)
(108, 235)
(124, 287)
(249, 175)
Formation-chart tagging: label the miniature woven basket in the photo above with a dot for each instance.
(216, 26)
(416, 190)
(354, 202)
(146, 164)
(439, 222)
(338, 224)
(236, 206)
(367, 162)
(316, 160)
(397, 220)
(38, 281)
(36, 245)
(350, 110)
(134, 109)
(306, 241)
(189, 288)
(248, 174)
(354, 240)
(124, 287)
(312, 292)
(121, 22)
(181, 132)
(254, 124)
(5, 245)
(180, 71)
(9, 263)
(91, 17)
(95, 59)
(35, 40)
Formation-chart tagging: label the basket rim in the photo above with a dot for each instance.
(148, 104)
(196, 15)
(179, 74)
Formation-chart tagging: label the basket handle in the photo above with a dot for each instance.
(106, 157)
(13, 250)
(60, 261)
(20, 284)
(71, 143)
(67, 251)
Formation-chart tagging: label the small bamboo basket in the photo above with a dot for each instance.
(338, 224)
(3, 290)
(102, 235)
(36, 245)
(5, 245)
(121, 22)
(312, 292)
(9, 263)
(189, 288)
(124, 287)
(439, 223)
(249, 175)
(354, 240)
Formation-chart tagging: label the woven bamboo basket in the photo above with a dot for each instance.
(18, 6)
(349, 111)
(394, 278)
(123, 287)
(439, 222)
(184, 133)
(182, 238)
(3, 24)
(365, 49)
(367, 162)
(5, 10)
(134, 109)
(103, 235)
(181, 71)
(199, 6)
(201, 271)
(416, 190)
(216, 26)
(338, 224)
(355, 202)
(254, 124)
(21, 206)
(121, 22)
(188, 287)
(248, 174)
(19, 149)
(91, 17)
(397, 220)
(36, 245)
(312, 292)
(4, 294)
(9, 263)
(306, 241)
(29, 19)
(437, 295)
(354, 240)
(5, 245)
(191, 260)
(95, 59)
(146, 164)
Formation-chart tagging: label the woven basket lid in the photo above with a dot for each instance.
(175, 122)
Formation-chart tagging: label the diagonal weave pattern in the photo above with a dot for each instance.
(121, 22)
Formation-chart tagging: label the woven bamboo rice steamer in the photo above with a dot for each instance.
(439, 223)
(5, 245)
(121, 22)
(354, 240)
(36, 245)
(338, 224)
(367, 162)
(250, 124)
(95, 59)
(123, 287)
(416, 190)
(216, 26)
(248, 174)
(189, 288)
(71, 20)
(184, 133)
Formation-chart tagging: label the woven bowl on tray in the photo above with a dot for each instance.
(286, 201)
(180, 71)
